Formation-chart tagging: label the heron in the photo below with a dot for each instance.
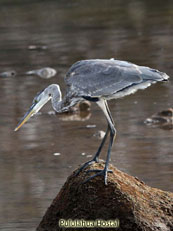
(96, 80)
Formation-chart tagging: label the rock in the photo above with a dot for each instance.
(45, 73)
(91, 126)
(99, 134)
(126, 201)
(6, 74)
(37, 47)
(84, 105)
(79, 112)
(163, 119)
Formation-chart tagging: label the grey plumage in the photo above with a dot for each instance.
(97, 80)
(109, 78)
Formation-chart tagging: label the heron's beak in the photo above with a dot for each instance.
(33, 110)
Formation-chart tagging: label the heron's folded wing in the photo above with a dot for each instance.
(98, 78)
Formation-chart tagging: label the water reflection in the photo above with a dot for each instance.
(30, 173)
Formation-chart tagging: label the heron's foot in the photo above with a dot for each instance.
(98, 170)
(103, 173)
(94, 160)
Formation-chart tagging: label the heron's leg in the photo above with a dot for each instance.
(95, 158)
(101, 146)
(103, 105)
(112, 137)
(105, 171)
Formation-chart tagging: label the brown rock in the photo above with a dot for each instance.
(163, 119)
(137, 206)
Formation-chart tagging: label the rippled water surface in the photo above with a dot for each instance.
(31, 174)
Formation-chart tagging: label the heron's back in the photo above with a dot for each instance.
(110, 78)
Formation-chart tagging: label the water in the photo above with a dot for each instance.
(138, 31)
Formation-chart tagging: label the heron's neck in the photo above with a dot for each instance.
(61, 105)
(57, 106)
(58, 103)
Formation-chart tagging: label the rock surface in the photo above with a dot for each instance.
(137, 206)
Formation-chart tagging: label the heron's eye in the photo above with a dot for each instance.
(35, 101)
(50, 95)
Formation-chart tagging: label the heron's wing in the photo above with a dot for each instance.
(98, 77)
(101, 77)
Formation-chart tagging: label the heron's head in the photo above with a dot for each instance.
(39, 101)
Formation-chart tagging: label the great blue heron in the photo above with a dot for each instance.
(97, 80)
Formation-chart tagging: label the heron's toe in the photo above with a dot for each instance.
(84, 166)
(103, 172)
(99, 170)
